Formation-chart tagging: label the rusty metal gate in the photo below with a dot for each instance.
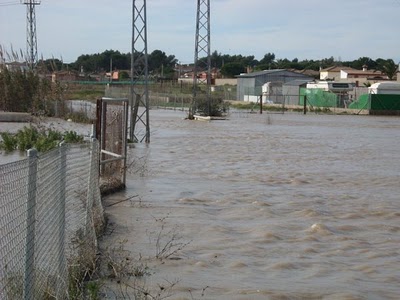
(112, 131)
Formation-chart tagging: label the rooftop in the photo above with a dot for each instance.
(336, 69)
(264, 72)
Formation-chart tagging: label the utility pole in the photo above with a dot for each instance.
(202, 50)
(31, 40)
(140, 120)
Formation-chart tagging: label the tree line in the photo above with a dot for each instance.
(159, 63)
(163, 65)
(233, 65)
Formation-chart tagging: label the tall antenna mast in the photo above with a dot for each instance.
(140, 121)
(202, 55)
(31, 37)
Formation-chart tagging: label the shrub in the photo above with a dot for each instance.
(9, 142)
(26, 138)
(31, 137)
(214, 107)
(72, 137)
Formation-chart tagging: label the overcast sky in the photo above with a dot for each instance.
(303, 29)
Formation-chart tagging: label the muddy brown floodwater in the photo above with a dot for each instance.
(273, 207)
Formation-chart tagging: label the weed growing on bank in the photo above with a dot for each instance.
(32, 137)
(168, 241)
(119, 276)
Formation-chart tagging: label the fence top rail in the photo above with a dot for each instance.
(114, 99)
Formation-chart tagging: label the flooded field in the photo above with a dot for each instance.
(265, 207)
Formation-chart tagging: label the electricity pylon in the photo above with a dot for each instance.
(140, 121)
(202, 57)
(31, 37)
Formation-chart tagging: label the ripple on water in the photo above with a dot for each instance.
(298, 182)
(259, 233)
(238, 265)
(320, 229)
(308, 212)
(347, 228)
(201, 264)
(351, 216)
(285, 266)
(194, 201)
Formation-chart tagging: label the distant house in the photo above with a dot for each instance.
(114, 76)
(64, 76)
(96, 77)
(307, 72)
(184, 71)
(333, 73)
(347, 74)
(249, 85)
(360, 77)
(16, 66)
(215, 73)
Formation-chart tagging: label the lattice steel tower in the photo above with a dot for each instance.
(31, 38)
(202, 57)
(140, 121)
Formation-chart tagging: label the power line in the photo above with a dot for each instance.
(9, 3)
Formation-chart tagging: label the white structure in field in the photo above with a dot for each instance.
(331, 86)
(391, 88)
(340, 89)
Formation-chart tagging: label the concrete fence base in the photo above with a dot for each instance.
(15, 117)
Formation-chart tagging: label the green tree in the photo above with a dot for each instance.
(283, 64)
(268, 59)
(309, 65)
(389, 68)
(103, 61)
(267, 62)
(217, 60)
(51, 65)
(360, 62)
(232, 69)
(123, 75)
(161, 64)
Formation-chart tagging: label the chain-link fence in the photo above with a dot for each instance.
(50, 210)
(170, 96)
(83, 107)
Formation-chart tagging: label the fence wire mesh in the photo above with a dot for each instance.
(112, 130)
(176, 96)
(50, 207)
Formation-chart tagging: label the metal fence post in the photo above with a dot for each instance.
(182, 103)
(62, 266)
(89, 200)
(29, 278)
